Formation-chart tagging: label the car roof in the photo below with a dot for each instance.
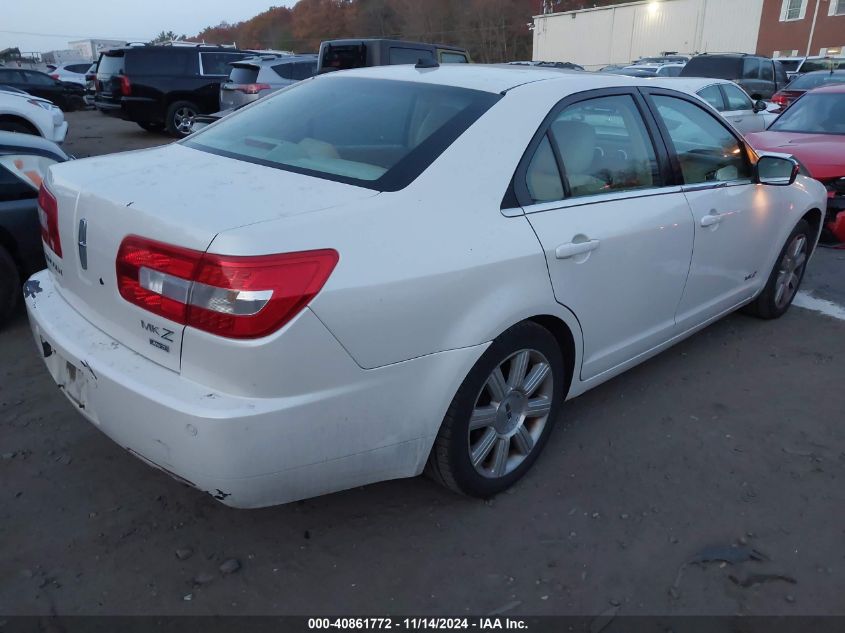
(354, 40)
(274, 60)
(10, 140)
(686, 84)
(494, 78)
(831, 89)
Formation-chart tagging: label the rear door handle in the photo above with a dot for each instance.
(571, 249)
(711, 219)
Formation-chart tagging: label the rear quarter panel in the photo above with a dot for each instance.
(435, 266)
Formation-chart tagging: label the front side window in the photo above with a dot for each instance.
(706, 150)
(453, 58)
(813, 114)
(38, 79)
(751, 68)
(713, 96)
(737, 98)
(604, 147)
(409, 55)
(767, 70)
(373, 133)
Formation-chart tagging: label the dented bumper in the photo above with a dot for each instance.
(250, 452)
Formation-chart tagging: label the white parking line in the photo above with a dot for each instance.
(829, 308)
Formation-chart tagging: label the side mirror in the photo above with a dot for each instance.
(760, 106)
(779, 171)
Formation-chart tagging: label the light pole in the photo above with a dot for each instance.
(813, 29)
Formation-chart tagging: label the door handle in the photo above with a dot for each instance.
(571, 249)
(711, 219)
(737, 120)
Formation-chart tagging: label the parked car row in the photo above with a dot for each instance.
(66, 95)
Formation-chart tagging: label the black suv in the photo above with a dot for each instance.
(346, 54)
(760, 77)
(163, 87)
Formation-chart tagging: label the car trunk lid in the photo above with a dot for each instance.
(175, 195)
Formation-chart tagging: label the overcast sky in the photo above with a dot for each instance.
(43, 25)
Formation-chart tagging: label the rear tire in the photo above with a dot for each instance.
(502, 415)
(10, 285)
(180, 118)
(786, 276)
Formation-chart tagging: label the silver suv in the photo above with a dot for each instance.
(254, 77)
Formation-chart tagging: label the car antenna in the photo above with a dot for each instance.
(426, 63)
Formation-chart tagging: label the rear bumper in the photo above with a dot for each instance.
(372, 425)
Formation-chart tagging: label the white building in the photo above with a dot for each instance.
(625, 32)
(90, 50)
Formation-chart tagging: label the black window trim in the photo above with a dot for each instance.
(520, 191)
(678, 176)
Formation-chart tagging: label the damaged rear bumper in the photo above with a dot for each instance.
(249, 452)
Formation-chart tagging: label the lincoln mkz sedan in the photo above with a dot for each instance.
(387, 271)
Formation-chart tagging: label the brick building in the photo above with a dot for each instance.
(802, 27)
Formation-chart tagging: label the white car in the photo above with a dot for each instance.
(21, 112)
(383, 271)
(731, 101)
(70, 71)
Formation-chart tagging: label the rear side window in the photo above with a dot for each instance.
(111, 65)
(409, 55)
(715, 67)
(706, 150)
(767, 70)
(604, 146)
(303, 70)
(160, 62)
(78, 68)
(10, 76)
(751, 68)
(713, 96)
(218, 63)
(368, 132)
(37, 79)
(543, 176)
(453, 58)
(243, 74)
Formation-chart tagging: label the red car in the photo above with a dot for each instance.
(812, 129)
(808, 81)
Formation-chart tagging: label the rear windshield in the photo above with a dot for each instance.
(832, 63)
(243, 74)
(110, 65)
(808, 82)
(813, 114)
(715, 67)
(372, 133)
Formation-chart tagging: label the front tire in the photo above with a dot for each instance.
(501, 417)
(180, 118)
(10, 285)
(785, 278)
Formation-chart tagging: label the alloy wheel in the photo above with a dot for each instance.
(510, 413)
(183, 119)
(790, 271)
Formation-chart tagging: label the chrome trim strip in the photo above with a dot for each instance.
(605, 197)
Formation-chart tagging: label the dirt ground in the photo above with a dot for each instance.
(732, 438)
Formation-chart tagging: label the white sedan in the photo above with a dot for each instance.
(727, 98)
(390, 270)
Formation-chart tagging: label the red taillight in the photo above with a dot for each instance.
(780, 99)
(54, 76)
(235, 297)
(125, 86)
(251, 89)
(48, 216)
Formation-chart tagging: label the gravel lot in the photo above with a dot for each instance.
(734, 437)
